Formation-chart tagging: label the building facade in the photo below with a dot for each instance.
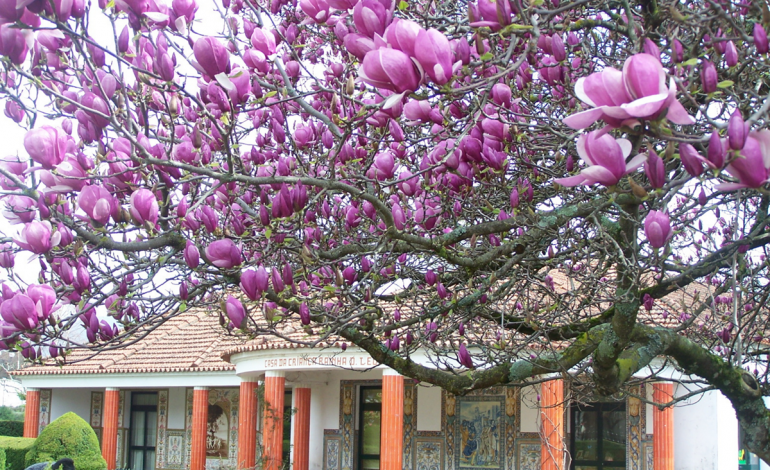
(189, 396)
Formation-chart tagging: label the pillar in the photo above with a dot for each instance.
(200, 419)
(32, 413)
(552, 425)
(301, 394)
(247, 424)
(663, 427)
(272, 420)
(392, 421)
(110, 426)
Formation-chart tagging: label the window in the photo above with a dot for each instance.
(598, 439)
(369, 417)
(746, 459)
(143, 430)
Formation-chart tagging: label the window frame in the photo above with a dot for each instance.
(143, 448)
(360, 434)
(598, 408)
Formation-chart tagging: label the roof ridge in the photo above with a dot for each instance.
(208, 351)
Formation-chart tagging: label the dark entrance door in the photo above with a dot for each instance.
(598, 438)
(143, 430)
(369, 419)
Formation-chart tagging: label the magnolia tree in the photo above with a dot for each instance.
(400, 177)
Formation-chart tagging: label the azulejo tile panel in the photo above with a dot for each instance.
(332, 450)
(222, 449)
(528, 454)
(428, 453)
(175, 446)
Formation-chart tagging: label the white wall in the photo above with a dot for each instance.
(428, 408)
(530, 416)
(705, 433)
(78, 401)
(176, 407)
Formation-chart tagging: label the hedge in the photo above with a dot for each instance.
(16, 448)
(12, 429)
(68, 436)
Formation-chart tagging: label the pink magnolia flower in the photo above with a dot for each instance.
(68, 176)
(606, 160)
(390, 69)
(235, 311)
(191, 255)
(657, 228)
(13, 44)
(493, 14)
(752, 166)
(38, 237)
(144, 206)
(46, 145)
(372, 17)
(98, 203)
(223, 254)
(402, 35)
(463, 355)
(19, 209)
(212, 56)
(435, 55)
(655, 169)
(760, 39)
(249, 284)
(316, 10)
(638, 92)
(20, 312)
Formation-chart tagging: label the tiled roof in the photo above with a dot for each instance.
(190, 342)
(194, 341)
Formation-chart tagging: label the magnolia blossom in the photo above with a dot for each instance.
(38, 237)
(606, 160)
(235, 311)
(223, 254)
(144, 206)
(657, 228)
(752, 165)
(620, 98)
(390, 69)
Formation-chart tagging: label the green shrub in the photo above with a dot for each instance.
(68, 436)
(12, 428)
(16, 449)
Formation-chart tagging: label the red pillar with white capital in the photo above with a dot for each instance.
(272, 420)
(32, 413)
(392, 421)
(301, 449)
(552, 425)
(110, 427)
(200, 419)
(663, 427)
(247, 424)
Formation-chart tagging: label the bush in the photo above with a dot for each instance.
(68, 436)
(16, 449)
(12, 428)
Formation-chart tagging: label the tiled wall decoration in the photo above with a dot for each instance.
(160, 445)
(332, 451)
(347, 424)
(479, 432)
(97, 404)
(428, 453)
(528, 454)
(634, 433)
(410, 422)
(175, 448)
(45, 409)
(648, 462)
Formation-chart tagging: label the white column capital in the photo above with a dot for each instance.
(389, 371)
(201, 388)
(30, 389)
(302, 385)
(112, 389)
(249, 380)
(275, 373)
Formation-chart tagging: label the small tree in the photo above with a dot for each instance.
(68, 436)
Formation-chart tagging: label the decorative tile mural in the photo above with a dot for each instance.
(429, 453)
(648, 462)
(45, 409)
(332, 447)
(528, 454)
(97, 404)
(634, 432)
(160, 445)
(222, 439)
(175, 446)
(479, 430)
(347, 424)
(410, 421)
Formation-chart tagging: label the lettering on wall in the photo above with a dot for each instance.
(310, 361)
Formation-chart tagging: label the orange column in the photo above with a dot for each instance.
(272, 420)
(32, 413)
(247, 424)
(110, 427)
(301, 394)
(663, 427)
(392, 421)
(552, 425)
(200, 419)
